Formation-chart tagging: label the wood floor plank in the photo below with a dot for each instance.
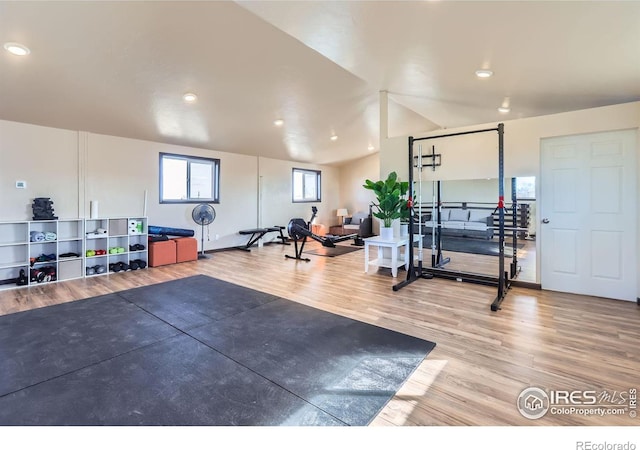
(483, 359)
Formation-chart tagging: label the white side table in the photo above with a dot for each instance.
(394, 244)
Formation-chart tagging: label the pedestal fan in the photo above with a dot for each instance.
(203, 214)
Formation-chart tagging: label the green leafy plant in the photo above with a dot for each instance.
(390, 195)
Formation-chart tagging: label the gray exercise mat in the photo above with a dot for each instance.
(48, 342)
(194, 301)
(348, 368)
(134, 358)
(178, 381)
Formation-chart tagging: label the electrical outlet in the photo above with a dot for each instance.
(217, 237)
(21, 184)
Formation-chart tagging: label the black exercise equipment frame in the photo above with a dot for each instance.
(502, 280)
(258, 233)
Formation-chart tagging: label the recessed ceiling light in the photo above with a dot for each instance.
(334, 138)
(371, 147)
(278, 122)
(16, 49)
(504, 109)
(190, 97)
(484, 73)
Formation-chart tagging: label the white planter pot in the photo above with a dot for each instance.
(386, 233)
(404, 229)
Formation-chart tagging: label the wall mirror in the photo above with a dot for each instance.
(469, 221)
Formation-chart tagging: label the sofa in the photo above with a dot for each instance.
(472, 223)
(359, 223)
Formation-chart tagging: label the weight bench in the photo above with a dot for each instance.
(258, 233)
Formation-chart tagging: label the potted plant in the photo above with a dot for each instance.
(390, 196)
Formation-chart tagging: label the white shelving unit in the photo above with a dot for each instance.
(45, 250)
(60, 247)
(110, 234)
(14, 251)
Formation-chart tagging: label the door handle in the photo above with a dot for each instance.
(545, 220)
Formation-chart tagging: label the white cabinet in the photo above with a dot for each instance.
(70, 248)
(115, 244)
(44, 251)
(14, 252)
(40, 251)
(58, 254)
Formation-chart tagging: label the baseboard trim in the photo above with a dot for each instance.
(526, 284)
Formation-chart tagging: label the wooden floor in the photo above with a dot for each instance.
(483, 359)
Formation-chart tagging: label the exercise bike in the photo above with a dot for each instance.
(299, 231)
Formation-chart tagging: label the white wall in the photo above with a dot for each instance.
(277, 207)
(478, 191)
(75, 168)
(352, 176)
(119, 170)
(475, 156)
(47, 159)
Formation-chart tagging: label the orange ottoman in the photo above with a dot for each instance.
(162, 253)
(186, 249)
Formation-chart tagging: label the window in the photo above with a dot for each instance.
(189, 179)
(306, 185)
(526, 188)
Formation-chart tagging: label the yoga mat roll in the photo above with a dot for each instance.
(170, 231)
(50, 236)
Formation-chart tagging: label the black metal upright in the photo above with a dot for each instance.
(412, 273)
(516, 226)
(437, 260)
(501, 273)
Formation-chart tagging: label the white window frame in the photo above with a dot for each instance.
(215, 178)
(305, 198)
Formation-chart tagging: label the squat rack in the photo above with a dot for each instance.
(413, 273)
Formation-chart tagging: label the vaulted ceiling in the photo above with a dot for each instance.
(121, 68)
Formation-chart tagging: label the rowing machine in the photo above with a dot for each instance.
(299, 230)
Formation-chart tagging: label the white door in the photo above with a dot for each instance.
(588, 211)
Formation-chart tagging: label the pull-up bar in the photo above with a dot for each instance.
(454, 134)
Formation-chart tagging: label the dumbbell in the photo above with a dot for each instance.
(99, 268)
(134, 265)
(90, 271)
(139, 263)
(115, 267)
(90, 253)
(119, 267)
